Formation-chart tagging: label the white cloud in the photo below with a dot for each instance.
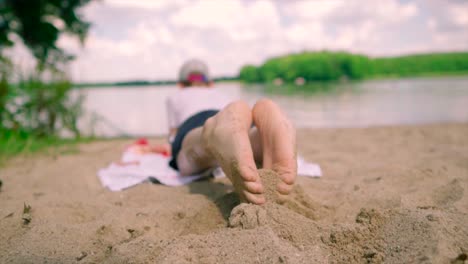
(150, 39)
(315, 10)
(431, 24)
(240, 20)
(147, 34)
(210, 14)
(302, 33)
(145, 4)
(459, 14)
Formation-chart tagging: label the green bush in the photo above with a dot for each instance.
(421, 64)
(329, 66)
(249, 73)
(5, 70)
(34, 113)
(13, 143)
(40, 108)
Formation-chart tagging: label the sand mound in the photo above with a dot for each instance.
(287, 231)
(271, 233)
(256, 234)
(269, 180)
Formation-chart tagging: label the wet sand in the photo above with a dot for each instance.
(388, 194)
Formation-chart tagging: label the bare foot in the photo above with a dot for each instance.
(278, 143)
(224, 141)
(226, 137)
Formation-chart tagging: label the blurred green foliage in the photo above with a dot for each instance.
(34, 114)
(39, 24)
(413, 65)
(39, 107)
(329, 66)
(13, 143)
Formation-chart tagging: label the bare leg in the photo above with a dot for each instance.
(227, 140)
(224, 141)
(278, 143)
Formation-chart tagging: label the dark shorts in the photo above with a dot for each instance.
(197, 120)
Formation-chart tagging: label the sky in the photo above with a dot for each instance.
(150, 39)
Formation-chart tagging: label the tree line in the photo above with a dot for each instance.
(330, 66)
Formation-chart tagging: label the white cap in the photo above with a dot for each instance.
(193, 66)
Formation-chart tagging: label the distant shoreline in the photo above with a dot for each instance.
(306, 67)
(144, 83)
(232, 80)
(328, 67)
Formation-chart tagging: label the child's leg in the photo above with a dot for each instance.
(278, 142)
(228, 140)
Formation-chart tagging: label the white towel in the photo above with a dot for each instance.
(155, 166)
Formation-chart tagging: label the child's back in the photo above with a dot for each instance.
(191, 100)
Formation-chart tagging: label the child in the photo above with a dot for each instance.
(206, 130)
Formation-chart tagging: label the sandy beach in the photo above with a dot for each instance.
(388, 195)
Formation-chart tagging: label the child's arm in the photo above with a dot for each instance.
(172, 134)
(171, 118)
(164, 148)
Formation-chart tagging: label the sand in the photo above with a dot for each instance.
(388, 195)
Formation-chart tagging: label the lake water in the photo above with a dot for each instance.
(140, 111)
